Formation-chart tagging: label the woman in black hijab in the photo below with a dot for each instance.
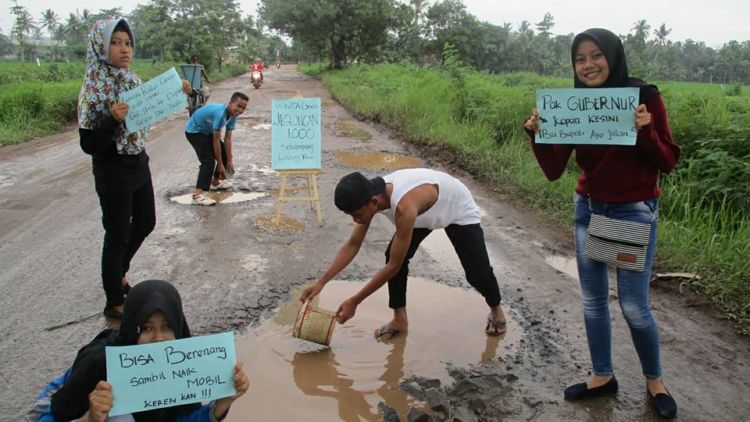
(620, 182)
(152, 312)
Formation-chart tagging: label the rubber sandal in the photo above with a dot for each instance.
(386, 331)
(495, 327)
(112, 312)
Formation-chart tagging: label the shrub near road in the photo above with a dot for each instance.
(705, 206)
(39, 100)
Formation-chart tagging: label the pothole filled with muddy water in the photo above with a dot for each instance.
(377, 160)
(221, 197)
(284, 223)
(296, 380)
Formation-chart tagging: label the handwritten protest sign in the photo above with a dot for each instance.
(154, 100)
(295, 134)
(171, 373)
(601, 116)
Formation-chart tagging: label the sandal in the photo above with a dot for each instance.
(495, 327)
(112, 312)
(386, 331)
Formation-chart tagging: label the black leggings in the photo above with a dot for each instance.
(127, 218)
(204, 148)
(468, 241)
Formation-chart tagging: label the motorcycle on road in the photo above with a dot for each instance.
(256, 79)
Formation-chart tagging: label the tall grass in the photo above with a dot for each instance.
(479, 117)
(33, 106)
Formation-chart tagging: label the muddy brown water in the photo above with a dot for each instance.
(293, 379)
(350, 129)
(377, 160)
(289, 224)
(221, 197)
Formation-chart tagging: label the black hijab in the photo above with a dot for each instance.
(613, 50)
(89, 367)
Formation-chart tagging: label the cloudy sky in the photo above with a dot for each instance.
(714, 22)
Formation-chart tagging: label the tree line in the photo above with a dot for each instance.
(371, 31)
(165, 30)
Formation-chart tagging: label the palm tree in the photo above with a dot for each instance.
(418, 8)
(641, 32)
(23, 26)
(661, 34)
(49, 21)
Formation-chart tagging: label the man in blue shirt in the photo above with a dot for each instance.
(203, 131)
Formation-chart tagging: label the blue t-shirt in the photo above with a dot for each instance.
(209, 119)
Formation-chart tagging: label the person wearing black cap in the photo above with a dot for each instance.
(416, 201)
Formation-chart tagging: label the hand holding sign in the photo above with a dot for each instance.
(532, 123)
(100, 402)
(119, 111)
(642, 117)
(241, 384)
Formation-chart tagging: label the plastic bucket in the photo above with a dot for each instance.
(314, 324)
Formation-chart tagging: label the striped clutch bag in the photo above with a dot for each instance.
(617, 242)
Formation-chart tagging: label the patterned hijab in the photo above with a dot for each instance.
(613, 50)
(102, 85)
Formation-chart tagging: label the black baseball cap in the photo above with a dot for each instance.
(354, 190)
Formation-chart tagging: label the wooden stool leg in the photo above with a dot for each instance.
(280, 199)
(311, 188)
(317, 199)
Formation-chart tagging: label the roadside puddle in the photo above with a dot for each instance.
(377, 160)
(292, 379)
(351, 130)
(221, 197)
(564, 264)
(287, 224)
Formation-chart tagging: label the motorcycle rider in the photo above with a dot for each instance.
(257, 66)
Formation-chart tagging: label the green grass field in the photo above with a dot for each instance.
(39, 100)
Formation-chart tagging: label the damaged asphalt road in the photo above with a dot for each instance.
(234, 272)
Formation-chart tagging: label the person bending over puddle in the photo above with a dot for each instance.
(153, 313)
(416, 201)
(203, 131)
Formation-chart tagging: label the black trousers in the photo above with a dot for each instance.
(127, 218)
(204, 148)
(468, 242)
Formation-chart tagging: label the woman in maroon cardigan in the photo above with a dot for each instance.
(619, 182)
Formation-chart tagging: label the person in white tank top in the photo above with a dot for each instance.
(417, 201)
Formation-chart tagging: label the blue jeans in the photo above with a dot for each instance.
(632, 289)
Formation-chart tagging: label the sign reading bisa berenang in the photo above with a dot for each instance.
(594, 116)
(170, 373)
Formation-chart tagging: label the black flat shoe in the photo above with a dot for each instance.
(581, 392)
(664, 404)
(112, 312)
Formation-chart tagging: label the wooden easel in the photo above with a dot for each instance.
(312, 185)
